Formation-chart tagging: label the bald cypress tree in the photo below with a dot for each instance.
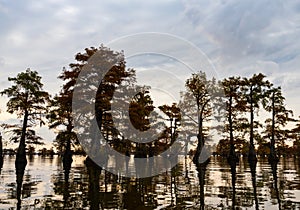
(253, 90)
(28, 101)
(280, 116)
(198, 99)
(235, 105)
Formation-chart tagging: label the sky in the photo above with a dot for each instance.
(239, 37)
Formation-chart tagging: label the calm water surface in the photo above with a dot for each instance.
(47, 186)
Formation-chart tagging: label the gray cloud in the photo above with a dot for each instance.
(2, 61)
(242, 29)
(240, 37)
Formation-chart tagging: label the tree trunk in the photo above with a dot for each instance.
(171, 130)
(21, 160)
(21, 153)
(251, 122)
(67, 156)
(273, 156)
(252, 153)
(200, 142)
(1, 152)
(232, 155)
(232, 158)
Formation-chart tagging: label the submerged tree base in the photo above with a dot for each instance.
(252, 155)
(202, 155)
(273, 158)
(232, 158)
(1, 163)
(67, 160)
(94, 172)
(201, 169)
(20, 162)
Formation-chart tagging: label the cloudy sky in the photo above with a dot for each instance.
(239, 37)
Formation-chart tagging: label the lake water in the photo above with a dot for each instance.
(46, 186)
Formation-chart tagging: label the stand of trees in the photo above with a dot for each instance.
(251, 96)
(240, 100)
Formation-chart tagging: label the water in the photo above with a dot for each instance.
(46, 186)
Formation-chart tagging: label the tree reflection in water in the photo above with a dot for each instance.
(20, 174)
(233, 181)
(25, 185)
(94, 172)
(201, 168)
(219, 185)
(275, 183)
(252, 165)
(66, 193)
